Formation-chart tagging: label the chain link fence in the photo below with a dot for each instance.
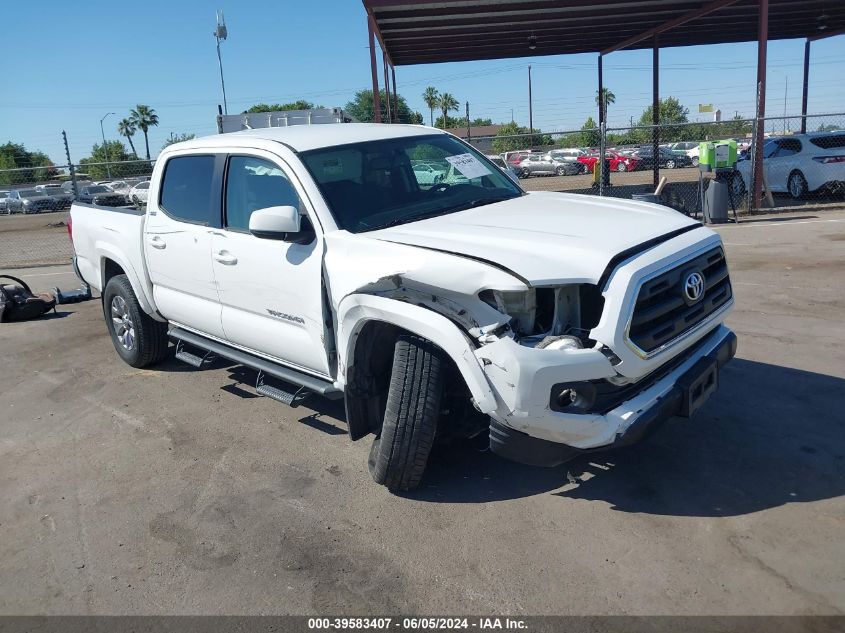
(798, 170)
(34, 204)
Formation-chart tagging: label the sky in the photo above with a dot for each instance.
(67, 64)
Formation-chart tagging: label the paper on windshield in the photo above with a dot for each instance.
(468, 165)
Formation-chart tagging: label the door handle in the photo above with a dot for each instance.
(157, 242)
(225, 258)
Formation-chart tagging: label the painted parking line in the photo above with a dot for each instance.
(781, 223)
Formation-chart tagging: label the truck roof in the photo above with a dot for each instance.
(307, 137)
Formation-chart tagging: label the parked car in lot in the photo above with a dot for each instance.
(571, 155)
(138, 193)
(515, 158)
(798, 164)
(665, 158)
(61, 199)
(426, 174)
(545, 165)
(4, 201)
(682, 148)
(622, 162)
(552, 323)
(29, 201)
(101, 195)
(505, 167)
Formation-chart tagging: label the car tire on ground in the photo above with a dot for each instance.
(560, 171)
(400, 451)
(797, 185)
(138, 339)
(670, 164)
(695, 161)
(622, 167)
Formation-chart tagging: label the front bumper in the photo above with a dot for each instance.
(548, 438)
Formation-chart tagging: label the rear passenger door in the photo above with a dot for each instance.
(270, 290)
(177, 241)
(782, 162)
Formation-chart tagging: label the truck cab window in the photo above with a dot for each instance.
(254, 183)
(186, 189)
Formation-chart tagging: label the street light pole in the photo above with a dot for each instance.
(105, 147)
(221, 33)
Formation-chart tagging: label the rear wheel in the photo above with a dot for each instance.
(137, 338)
(797, 185)
(622, 167)
(670, 164)
(560, 171)
(695, 161)
(400, 452)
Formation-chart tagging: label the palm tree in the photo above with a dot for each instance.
(432, 99)
(144, 117)
(447, 103)
(126, 127)
(609, 98)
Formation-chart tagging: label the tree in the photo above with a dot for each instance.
(519, 138)
(178, 138)
(478, 122)
(120, 163)
(144, 117)
(126, 127)
(361, 108)
(669, 114)
(609, 99)
(451, 122)
(34, 166)
(301, 104)
(590, 136)
(432, 100)
(447, 103)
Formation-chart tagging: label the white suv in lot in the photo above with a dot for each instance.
(799, 164)
(551, 323)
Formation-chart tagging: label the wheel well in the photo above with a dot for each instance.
(799, 172)
(110, 269)
(368, 379)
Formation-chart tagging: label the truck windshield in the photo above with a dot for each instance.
(373, 185)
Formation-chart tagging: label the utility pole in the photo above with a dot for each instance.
(530, 108)
(105, 147)
(70, 166)
(785, 91)
(468, 132)
(221, 33)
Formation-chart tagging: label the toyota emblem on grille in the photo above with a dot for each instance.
(694, 287)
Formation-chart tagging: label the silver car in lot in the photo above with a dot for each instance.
(546, 165)
(29, 201)
(62, 199)
(4, 201)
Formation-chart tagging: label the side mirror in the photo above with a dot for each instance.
(274, 223)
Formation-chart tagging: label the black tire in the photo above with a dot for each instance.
(148, 336)
(797, 185)
(560, 171)
(694, 161)
(400, 451)
(621, 167)
(670, 164)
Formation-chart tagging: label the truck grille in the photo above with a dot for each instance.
(664, 308)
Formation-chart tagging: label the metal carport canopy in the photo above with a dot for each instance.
(425, 32)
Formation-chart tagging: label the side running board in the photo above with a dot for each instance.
(264, 366)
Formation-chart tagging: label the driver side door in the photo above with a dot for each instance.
(271, 291)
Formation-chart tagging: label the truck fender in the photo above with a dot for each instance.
(356, 310)
(105, 251)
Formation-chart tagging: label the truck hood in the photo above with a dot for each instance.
(545, 238)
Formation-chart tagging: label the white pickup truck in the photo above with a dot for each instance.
(553, 323)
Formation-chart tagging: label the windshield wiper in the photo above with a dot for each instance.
(480, 202)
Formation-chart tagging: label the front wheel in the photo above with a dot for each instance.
(797, 185)
(138, 339)
(670, 164)
(622, 167)
(560, 171)
(695, 161)
(399, 453)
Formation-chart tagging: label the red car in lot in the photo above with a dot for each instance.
(618, 162)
